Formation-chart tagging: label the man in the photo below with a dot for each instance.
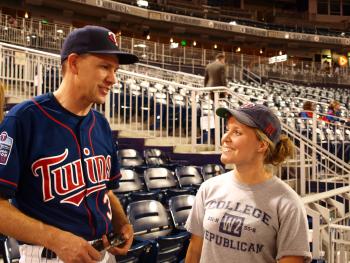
(58, 162)
(215, 72)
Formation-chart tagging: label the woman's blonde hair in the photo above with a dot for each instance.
(276, 154)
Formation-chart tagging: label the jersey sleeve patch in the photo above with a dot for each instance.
(5, 147)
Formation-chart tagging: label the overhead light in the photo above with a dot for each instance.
(238, 49)
(171, 40)
(286, 36)
(140, 45)
(233, 23)
(261, 51)
(60, 31)
(174, 45)
(142, 3)
(194, 43)
(342, 34)
(33, 36)
(215, 46)
(6, 28)
(26, 15)
(280, 53)
(148, 37)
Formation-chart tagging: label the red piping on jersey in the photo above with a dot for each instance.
(90, 222)
(90, 130)
(8, 182)
(59, 123)
(98, 209)
(116, 177)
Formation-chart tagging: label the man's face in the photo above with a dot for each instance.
(95, 77)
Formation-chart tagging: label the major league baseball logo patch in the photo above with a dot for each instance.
(5, 147)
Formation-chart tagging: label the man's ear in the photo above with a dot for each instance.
(263, 145)
(72, 62)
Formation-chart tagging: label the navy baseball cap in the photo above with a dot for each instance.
(94, 40)
(256, 116)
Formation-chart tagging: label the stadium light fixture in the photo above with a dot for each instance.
(194, 43)
(148, 37)
(142, 3)
(171, 40)
(280, 53)
(342, 34)
(140, 45)
(234, 23)
(238, 49)
(261, 51)
(60, 31)
(215, 46)
(286, 36)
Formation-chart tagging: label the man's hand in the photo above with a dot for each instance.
(73, 249)
(127, 233)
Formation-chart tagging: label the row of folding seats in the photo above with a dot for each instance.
(159, 183)
(159, 233)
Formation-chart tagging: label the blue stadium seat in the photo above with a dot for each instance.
(188, 177)
(151, 222)
(180, 207)
(211, 170)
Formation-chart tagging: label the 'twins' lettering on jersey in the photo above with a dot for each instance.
(69, 177)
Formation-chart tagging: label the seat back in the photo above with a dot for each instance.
(188, 176)
(129, 158)
(180, 207)
(155, 157)
(211, 170)
(129, 182)
(149, 219)
(159, 178)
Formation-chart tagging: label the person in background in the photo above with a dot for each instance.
(308, 110)
(248, 214)
(215, 74)
(333, 111)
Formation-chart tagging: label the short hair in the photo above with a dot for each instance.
(308, 106)
(64, 68)
(276, 153)
(220, 56)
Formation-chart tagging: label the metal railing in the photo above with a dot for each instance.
(48, 36)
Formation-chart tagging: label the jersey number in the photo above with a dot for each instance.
(106, 201)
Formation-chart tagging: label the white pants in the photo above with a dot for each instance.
(32, 254)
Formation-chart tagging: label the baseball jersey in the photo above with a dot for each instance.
(58, 167)
(248, 223)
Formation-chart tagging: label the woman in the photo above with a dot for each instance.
(248, 215)
(333, 111)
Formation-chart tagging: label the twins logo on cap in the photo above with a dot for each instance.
(113, 38)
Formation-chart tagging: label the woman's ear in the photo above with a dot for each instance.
(263, 145)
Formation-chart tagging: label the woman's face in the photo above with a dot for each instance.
(240, 144)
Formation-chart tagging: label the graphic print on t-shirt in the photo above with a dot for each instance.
(234, 225)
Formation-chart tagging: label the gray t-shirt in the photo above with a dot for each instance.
(248, 223)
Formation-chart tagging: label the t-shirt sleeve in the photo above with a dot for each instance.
(115, 174)
(11, 161)
(194, 222)
(292, 237)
